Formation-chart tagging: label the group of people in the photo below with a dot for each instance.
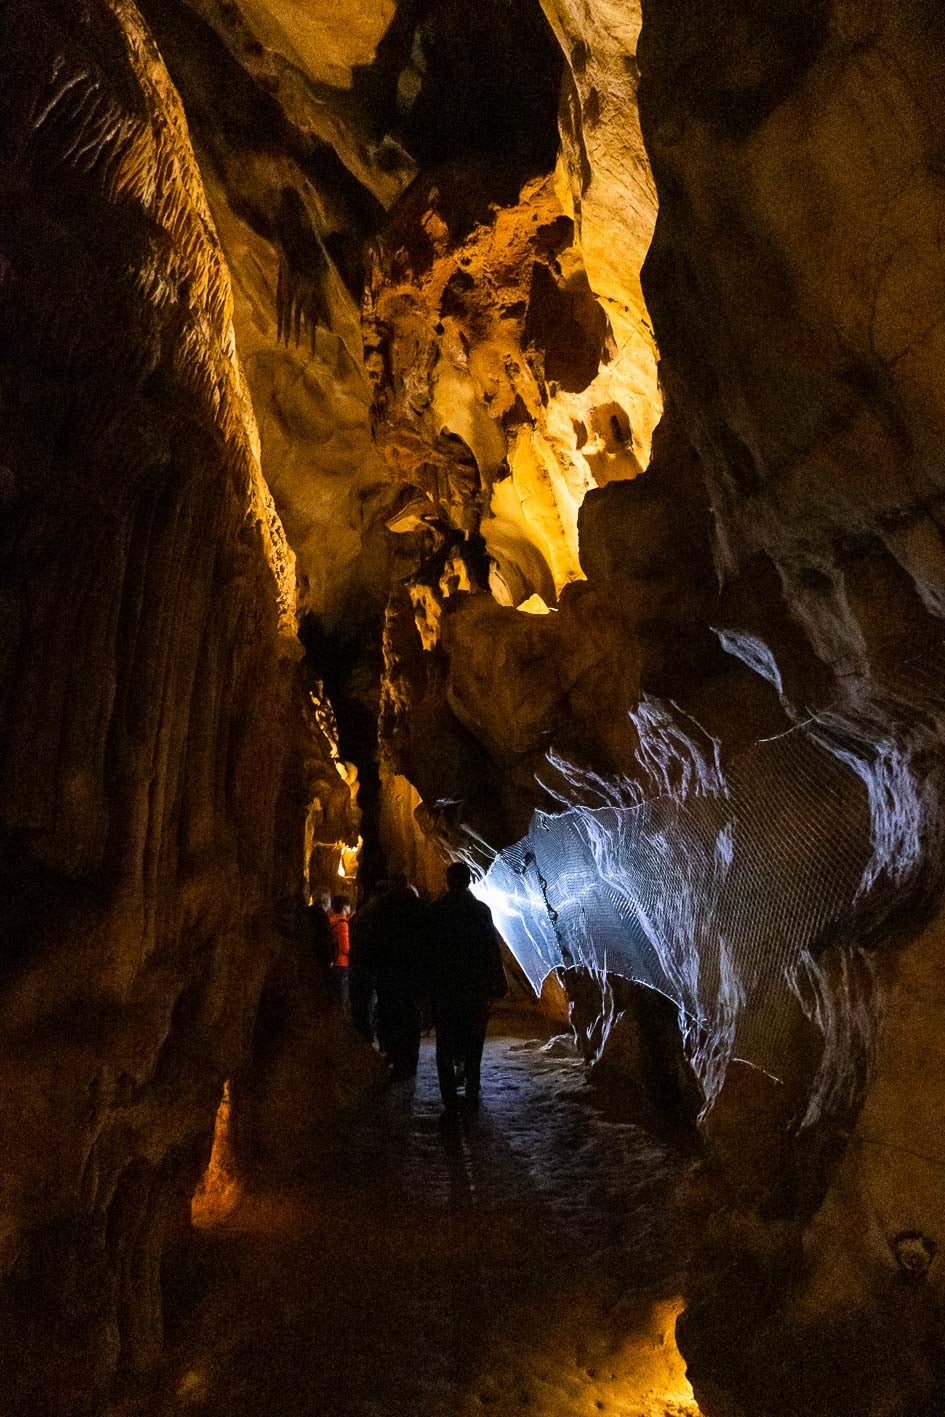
(400, 959)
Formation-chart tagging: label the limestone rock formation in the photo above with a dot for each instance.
(794, 283)
(444, 465)
(149, 697)
(611, 189)
(490, 358)
(296, 186)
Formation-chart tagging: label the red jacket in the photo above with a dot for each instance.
(339, 928)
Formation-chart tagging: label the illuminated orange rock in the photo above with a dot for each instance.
(498, 389)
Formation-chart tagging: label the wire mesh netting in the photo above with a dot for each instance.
(723, 895)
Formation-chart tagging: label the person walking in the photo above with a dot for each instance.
(399, 948)
(340, 973)
(319, 936)
(465, 976)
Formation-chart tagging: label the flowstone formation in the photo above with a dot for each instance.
(308, 133)
(152, 811)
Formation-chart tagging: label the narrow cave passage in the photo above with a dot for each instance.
(510, 432)
(527, 1261)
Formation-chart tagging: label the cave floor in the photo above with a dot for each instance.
(525, 1261)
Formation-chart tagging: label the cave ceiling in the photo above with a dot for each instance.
(436, 286)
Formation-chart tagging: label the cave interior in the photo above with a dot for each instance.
(508, 433)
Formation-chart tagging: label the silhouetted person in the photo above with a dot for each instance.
(319, 936)
(465, 975)
(338, 920)
(400, 933)
(363, 926)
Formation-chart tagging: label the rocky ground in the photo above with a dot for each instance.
(526, 1260)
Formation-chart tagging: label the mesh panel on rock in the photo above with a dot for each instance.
(724, 898)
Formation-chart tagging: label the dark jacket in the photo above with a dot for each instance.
(399, 941)
(361, 929)
(321, 938)
(466, 954)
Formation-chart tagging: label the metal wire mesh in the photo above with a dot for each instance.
(723, 895)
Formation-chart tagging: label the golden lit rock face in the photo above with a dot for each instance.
(408, 846)
(295, 183)
(219, 1191)
(497, 391)
(579, 409)
(303, 58)
(324, 42)
(312, 401)
(502, 377)
(610, 192)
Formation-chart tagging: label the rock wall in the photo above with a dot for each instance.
(308, 132)
(795, 284)
(149, 816)
(612, 196)
(296, 186)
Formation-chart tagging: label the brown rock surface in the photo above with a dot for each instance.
(795, 156)
(149, 653)
(296, 185)
(490, 357)
(610, 184)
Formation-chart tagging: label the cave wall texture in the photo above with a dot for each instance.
(795, 284)
(153, 718)
(431, 255)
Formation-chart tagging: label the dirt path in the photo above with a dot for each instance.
(525, 1262)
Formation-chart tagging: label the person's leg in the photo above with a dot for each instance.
(445, 1043)
(339, 982)
(476, 1022)
(402, 1056)
(412, 1030)
(384, 1030)
(361, 989)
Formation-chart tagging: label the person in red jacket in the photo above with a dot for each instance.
(340, 970)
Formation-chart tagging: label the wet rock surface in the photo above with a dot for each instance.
(527, 1260)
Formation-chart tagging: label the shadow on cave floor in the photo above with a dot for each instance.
(528, 1262)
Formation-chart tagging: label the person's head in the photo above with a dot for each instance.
(458, 876)
(398, 882)
(340, 905)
